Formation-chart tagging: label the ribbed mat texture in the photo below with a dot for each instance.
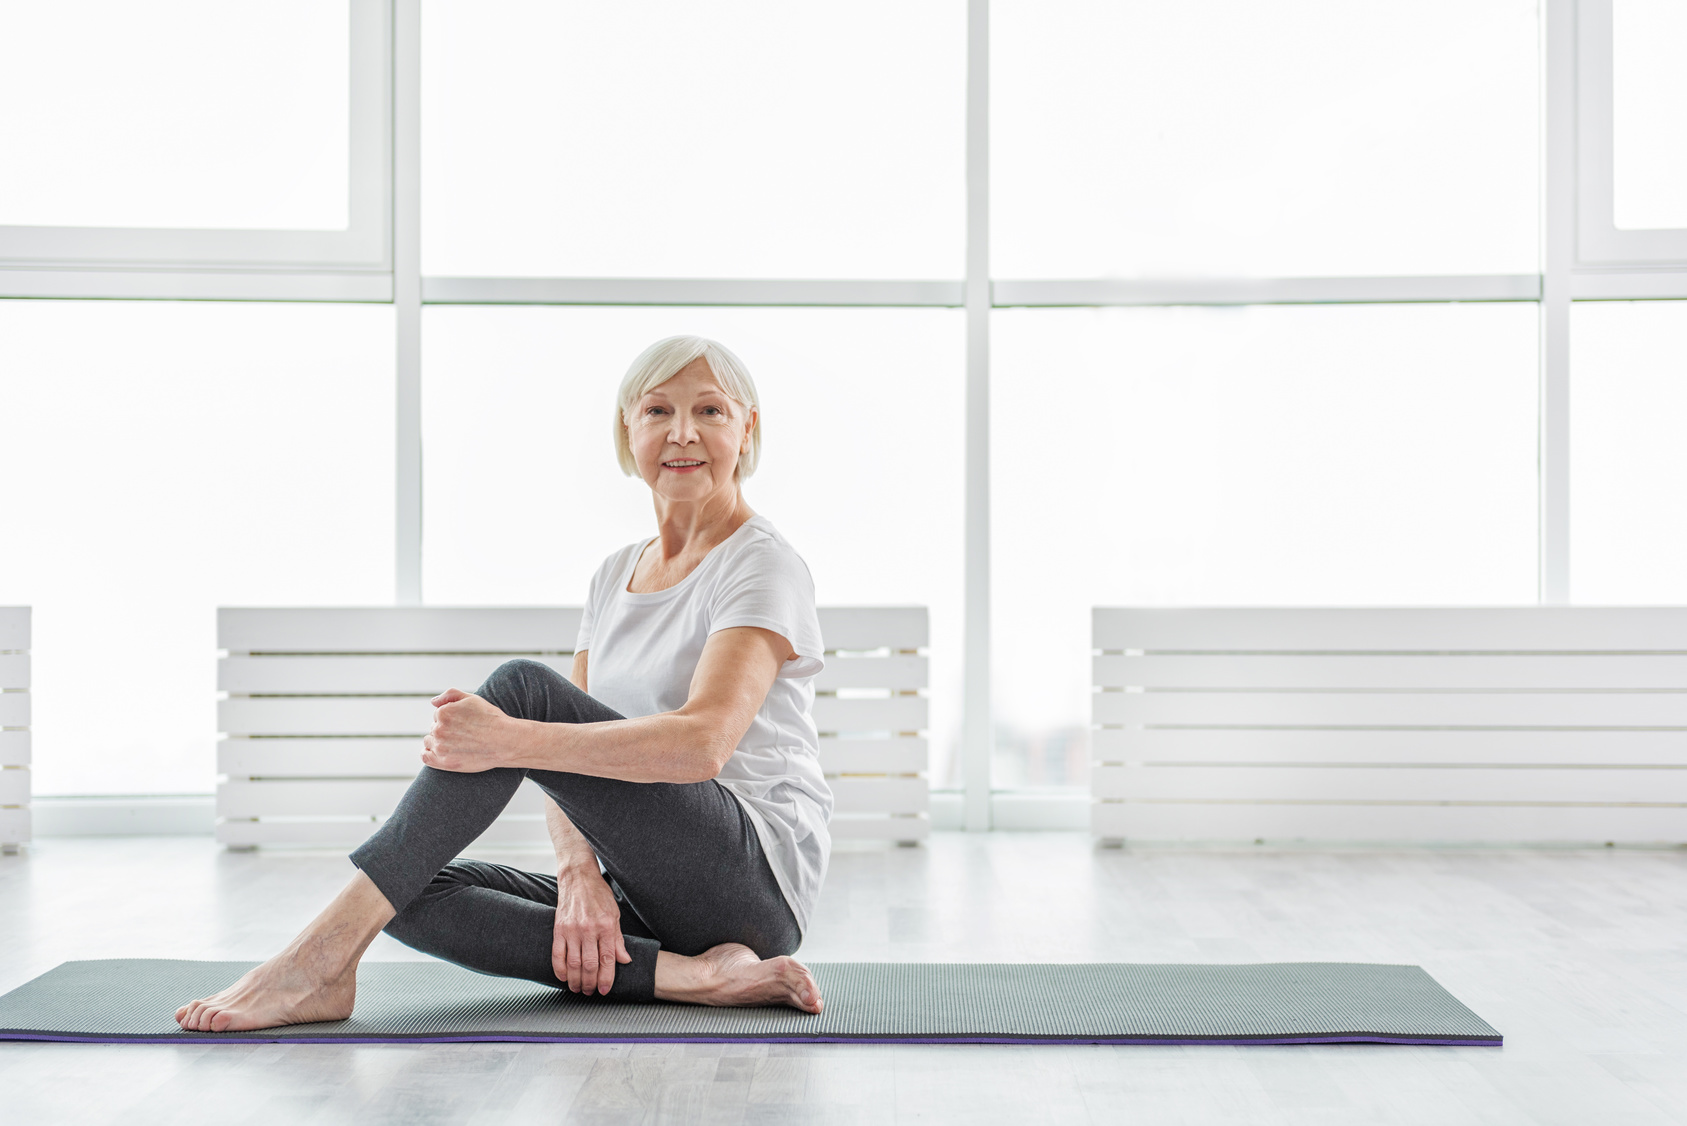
(1283, 1003)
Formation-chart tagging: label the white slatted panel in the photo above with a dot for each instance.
(15, 714)
(326, 708)
(872, 747)
(1550, 724)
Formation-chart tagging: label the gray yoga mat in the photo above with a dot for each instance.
(888, 1002)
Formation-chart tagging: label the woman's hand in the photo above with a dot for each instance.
(469, 734)
(586, 942)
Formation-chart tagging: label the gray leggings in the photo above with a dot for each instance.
(683, 860)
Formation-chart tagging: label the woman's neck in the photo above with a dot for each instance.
(695, 527)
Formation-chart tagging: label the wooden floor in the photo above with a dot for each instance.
(1578, 957)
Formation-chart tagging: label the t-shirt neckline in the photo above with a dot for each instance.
(658, 595)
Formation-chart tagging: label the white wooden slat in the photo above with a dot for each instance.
(399, 629)
(14, 748)
(14, 826)
(1402, 784)
(1440, 824)
(14, 670)
(895, 672)
(14, 627)
(14, 785)
(335, 798)
(1362, 671)
(364, 758)
(874, 627)
(325, 715)
(319, 758)
(1656, 748)
(880, 829)
(402, 715)
(14, 709)
(1421, 709)
(887, 713)
(874, 756)
(507, 830)
(393, 673)
(880, 795)
(432, 674)
(1436, 629)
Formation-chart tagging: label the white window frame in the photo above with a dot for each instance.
(266, 265)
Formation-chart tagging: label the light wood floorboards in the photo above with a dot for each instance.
(1578, 957)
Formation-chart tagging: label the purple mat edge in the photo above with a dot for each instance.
(492, 1038)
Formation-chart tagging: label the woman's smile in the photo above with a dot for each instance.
(682, 465)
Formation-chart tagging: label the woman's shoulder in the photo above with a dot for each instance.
(758, 546)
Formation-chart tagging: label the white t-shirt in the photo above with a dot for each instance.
(645, 647)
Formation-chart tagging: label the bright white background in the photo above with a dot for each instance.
(162, 459)
(192, 113)
(1265, 455)
(737, 138)
(1628, 484)
(1290, 138)
(862, 455)
(1649, 113)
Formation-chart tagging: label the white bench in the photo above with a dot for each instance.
(14, 728)
(324, 709)
(1526, 724)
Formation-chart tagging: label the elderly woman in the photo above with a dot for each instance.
(689, 773)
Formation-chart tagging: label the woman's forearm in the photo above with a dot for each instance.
(669, 747)
(572, 851)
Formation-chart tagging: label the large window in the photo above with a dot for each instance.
(1234, 138)
(203, 114)
(163, 459)
(1629, 489)
(1053, 302)
(755, 139)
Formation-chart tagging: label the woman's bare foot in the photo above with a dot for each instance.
(314, 979)
(284, 990)
(731, 974)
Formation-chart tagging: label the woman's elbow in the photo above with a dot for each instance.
(712, 756)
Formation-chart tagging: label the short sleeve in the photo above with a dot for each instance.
(768, 587)
(594, 600)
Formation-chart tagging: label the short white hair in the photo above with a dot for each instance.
(661, 362)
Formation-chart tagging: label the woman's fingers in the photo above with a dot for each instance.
(450, 695)
(588, 964)
(573, 964)
(621, 954)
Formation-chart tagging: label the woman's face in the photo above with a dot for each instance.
(686, 436)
